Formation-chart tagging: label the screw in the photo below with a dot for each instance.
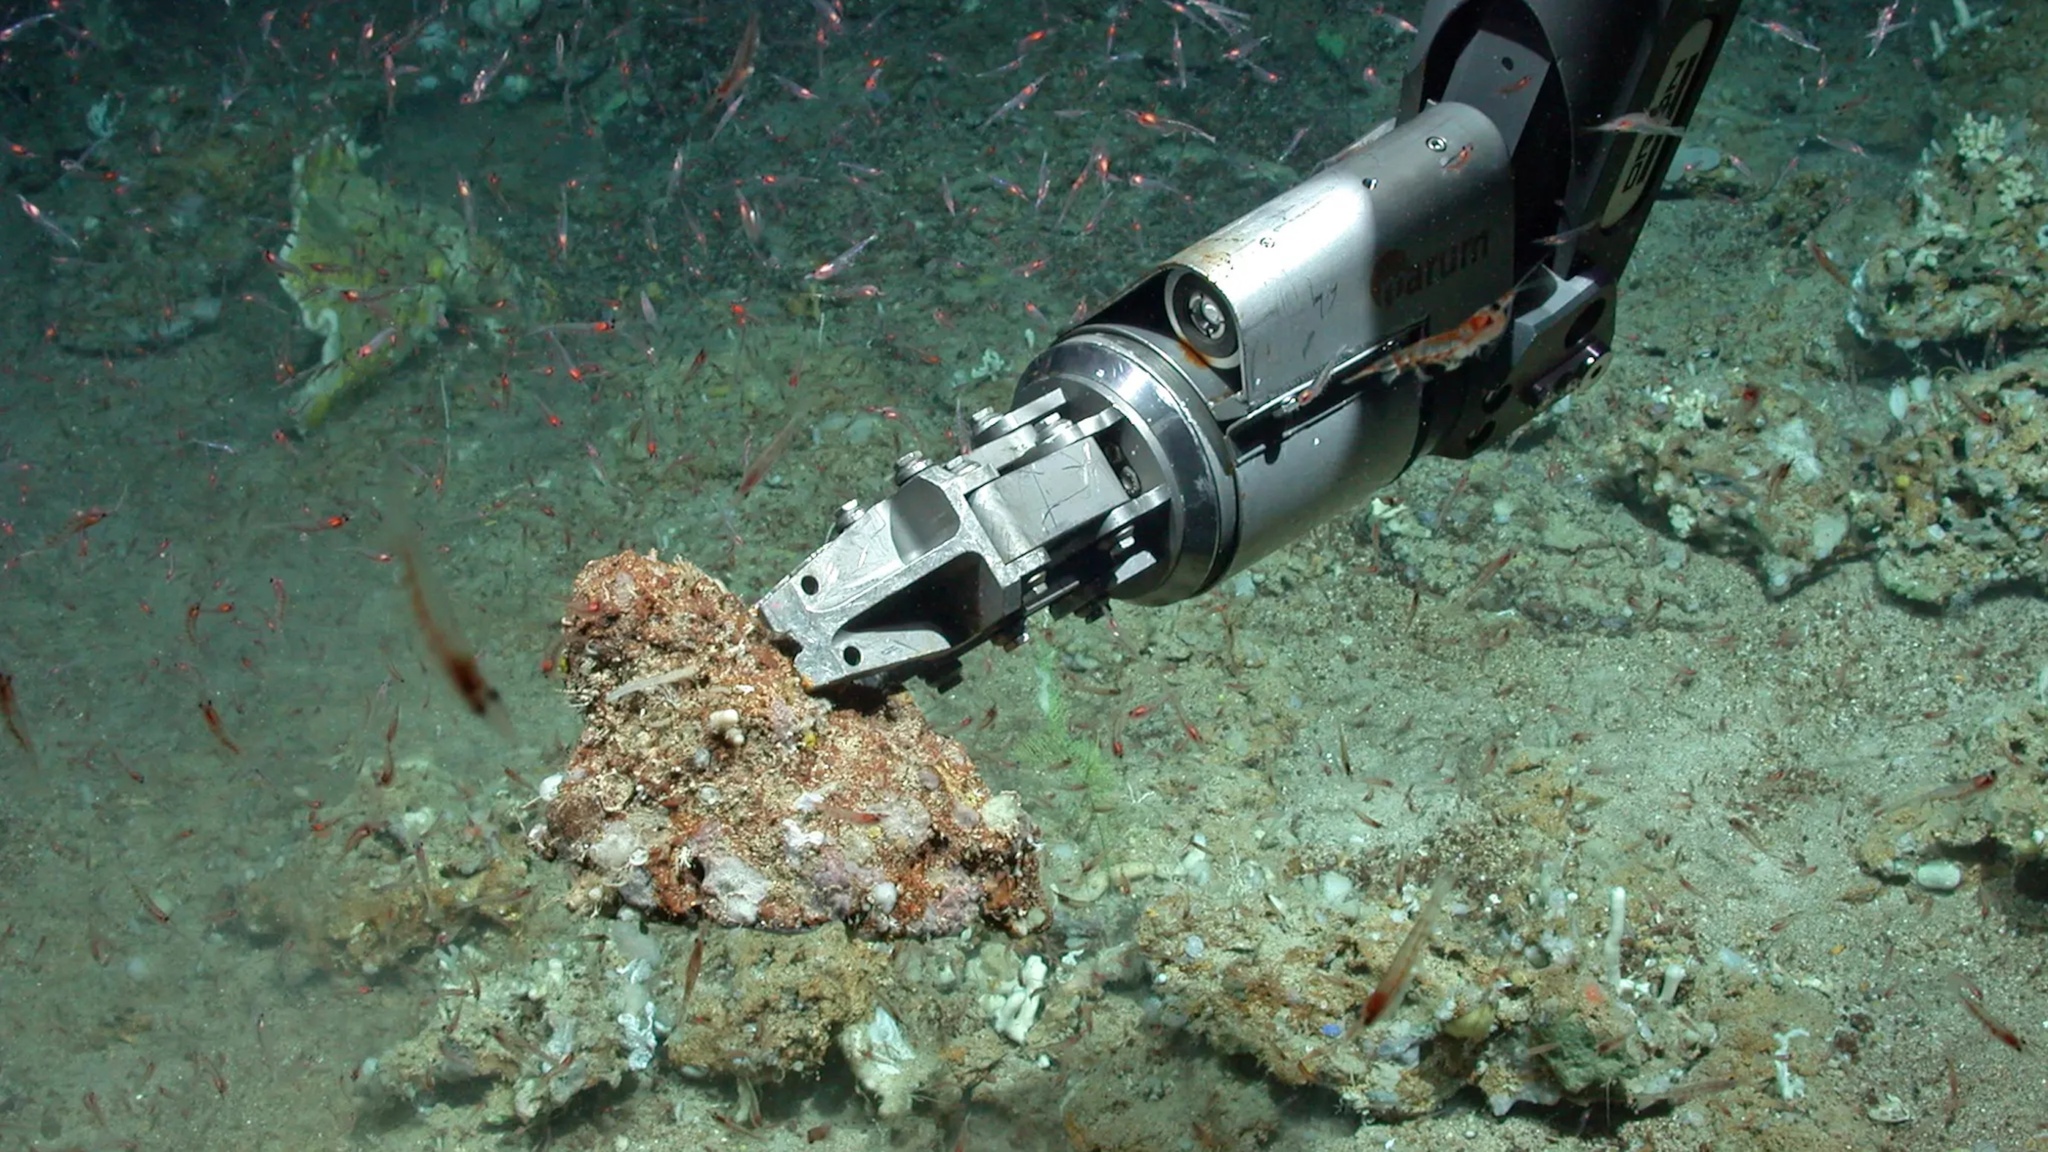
(846, 515)
(1206, 316)
(1436, 144)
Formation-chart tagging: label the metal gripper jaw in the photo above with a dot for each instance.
(1036, 515)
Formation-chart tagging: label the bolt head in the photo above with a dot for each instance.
(1206, 316)
(910, 464)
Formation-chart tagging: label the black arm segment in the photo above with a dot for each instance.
(1547, 73)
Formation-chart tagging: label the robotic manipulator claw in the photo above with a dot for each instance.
(1429, 290)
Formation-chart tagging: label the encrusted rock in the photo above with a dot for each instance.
(728, 793)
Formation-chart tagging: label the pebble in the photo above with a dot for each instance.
(1336, 887)
(1939, 875)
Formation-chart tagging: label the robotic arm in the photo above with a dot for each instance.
(1430, 290)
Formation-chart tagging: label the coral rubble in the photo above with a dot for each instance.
(374, 276)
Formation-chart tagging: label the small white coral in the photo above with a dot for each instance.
(1980, 142)
(884, 1062)
(1985, 147)
(641, 1036)
(1013, 1011)
(724, 724)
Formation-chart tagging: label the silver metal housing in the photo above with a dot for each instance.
(1408, 230)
